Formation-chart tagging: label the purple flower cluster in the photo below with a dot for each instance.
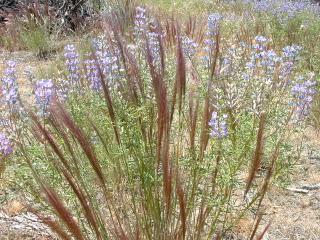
(108, 62)
(218, 125)
(284, 10)
(213, 24)
(189, 47)
(140, 22)
(214, 21)
(291, 52)
(9, 84)
(6, 147)
(72, 63)
(92, 74)
(44, 90)
(260, 43)
(262, 58)
(303, 94)
(154, 46)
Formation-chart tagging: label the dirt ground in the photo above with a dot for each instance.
(293, 215)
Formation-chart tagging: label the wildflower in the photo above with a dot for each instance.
(269, 59)
(9, 84)
(291, 52)
(261, 39)
(6, 147)
(303, 94)
(286, 69)
(92, 74)
(260, 43)
(44, 91)
(218, 125)
(98, 43)
(140, 22)
(285, 10)
(189, 47)
(108, 63)
(154, 46)
(72, 62)
(214, 20)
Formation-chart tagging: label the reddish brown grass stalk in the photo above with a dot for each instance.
(253, 233)
(53, 225)
(182, 205)
(62, 212)
(163, 123)
(257, 157)
(260, 237)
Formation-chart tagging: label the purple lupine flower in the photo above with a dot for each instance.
(108, 63)
(260, 43)
(189, 47)
(263, 58)
(99, 43)
(140, 22)
(44, 90)
(92, 74)
(286, 69)
(154, 46)
(6, 147)
(72, 63)
(214, 20)
(9, 84)
(218, 125)
(285, 10)
(291, 52)
(303, 94)
(269, 60)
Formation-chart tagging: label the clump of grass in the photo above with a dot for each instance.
(37, 40)
(147, 136)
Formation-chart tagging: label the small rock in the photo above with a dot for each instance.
(14, 208)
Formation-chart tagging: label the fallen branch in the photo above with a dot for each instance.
(298, 190)
(311, 187)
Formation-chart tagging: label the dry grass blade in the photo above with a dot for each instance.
(53, 225)
(218, 235)
(182, 205)
(63, 213)
(204, 137)
(163, 123)
(181, 71)
(108, 100)
(86, 146)
(253, 233)
(171, 33)
(88, 210)
(257, 157)
(267, 179)
(50, 140)
(260, 237)
(195, 29)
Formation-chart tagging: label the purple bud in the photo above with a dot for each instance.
(6, 147)
(9, 84)
(44, 90)
(218, 125)
(72, 63)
